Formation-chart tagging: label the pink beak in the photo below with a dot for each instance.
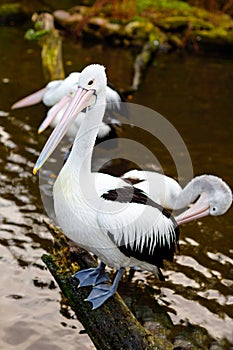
(52, 113)
(198, 210)
(82, 99)
(30, 100)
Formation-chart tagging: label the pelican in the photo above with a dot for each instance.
(50, 94)
(58, 93)
(107, 129)
(215, 196)
(104, 214)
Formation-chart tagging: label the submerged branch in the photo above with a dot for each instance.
(141, 63)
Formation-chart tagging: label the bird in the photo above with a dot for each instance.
(163, 189)
(107, 129)
(104, 214)
(215, 196)
(57, 95)
(50, 94)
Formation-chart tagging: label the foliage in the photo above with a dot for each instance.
(214, 5)
(170, 23)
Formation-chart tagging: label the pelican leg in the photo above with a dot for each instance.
(92, 276)
(103, 291)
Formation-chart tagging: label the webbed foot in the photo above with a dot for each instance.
(102, 292)
(92, 276)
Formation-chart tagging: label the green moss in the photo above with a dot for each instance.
(143, 5)
(165, 21)
(176, 40)
(176, 22)
(115, 21)
(157, 36)
(217, 33)
(12, 14)
(31, 34)
(135, 27)
(7, 9)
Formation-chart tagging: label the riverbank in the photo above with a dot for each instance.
(170, 25)
(165, 24)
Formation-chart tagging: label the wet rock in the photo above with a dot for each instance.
(174, 29)
(138, 29)
(65, 18)
(113, 27)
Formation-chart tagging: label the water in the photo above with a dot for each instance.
(195, 94)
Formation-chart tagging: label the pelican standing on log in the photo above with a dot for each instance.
(101, 213)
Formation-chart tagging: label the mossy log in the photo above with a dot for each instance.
(112, 326)
(50, 40)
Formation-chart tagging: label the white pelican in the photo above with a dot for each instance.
(107, 128)
(50, 94)
(101, 213)
(57, 95)
(215, 195)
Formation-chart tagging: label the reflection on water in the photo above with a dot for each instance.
(194, 93)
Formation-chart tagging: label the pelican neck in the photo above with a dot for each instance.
(81, 153)
(189, 193)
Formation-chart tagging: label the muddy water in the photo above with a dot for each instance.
(195, 94)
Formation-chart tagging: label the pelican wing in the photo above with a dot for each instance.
(138, 226)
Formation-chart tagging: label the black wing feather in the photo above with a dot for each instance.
(160, 252)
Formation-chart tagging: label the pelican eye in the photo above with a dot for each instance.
(90, 82)
(213, 209)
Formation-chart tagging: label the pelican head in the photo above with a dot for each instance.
(92, 84)
(56, 89)
(93, 77)
(219, 193)
(215, 199)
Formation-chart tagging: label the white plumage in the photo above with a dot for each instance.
(58, 93)
(115, 222)
(215, 195)
(162, 189)
(102, 213)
